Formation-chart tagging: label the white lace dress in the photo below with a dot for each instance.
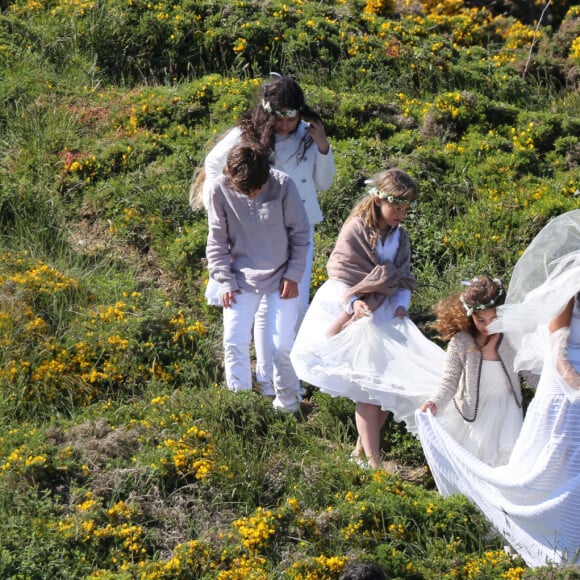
(533, 500)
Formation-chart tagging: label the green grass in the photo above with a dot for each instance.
(121, 455)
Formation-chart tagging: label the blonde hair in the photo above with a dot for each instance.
(393, 182)
(397, 183)
(196, 189)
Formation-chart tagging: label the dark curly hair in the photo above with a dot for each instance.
(362, 571)
(280, 92)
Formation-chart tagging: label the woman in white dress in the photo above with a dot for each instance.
(478, 399)
(533, 500)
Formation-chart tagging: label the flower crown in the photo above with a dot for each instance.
(375, 191)
(471, 308)
(290, 113)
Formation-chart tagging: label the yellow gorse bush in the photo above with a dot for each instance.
(187, 558)
(257, 530)
(21, 460)
(39, 366)
(480, 567)
(519, 36)
(318, 568)
(184, 329)
(109, 532)
(191, 455)
(379, 7)
(575, 49)
(43, 279)
(245, 567)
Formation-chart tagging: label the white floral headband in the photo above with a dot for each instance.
(290, 113)
(471, 308)
(375, 191)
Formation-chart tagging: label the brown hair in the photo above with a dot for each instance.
(393, 182)
(247, 166)
(451, 313)
(397, 183)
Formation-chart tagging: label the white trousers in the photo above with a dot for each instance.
(281, 316)
(263, 336)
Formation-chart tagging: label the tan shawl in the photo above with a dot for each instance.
(355, 262)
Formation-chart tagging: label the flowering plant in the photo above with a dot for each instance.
(290, 113)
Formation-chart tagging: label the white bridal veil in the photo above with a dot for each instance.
(545, 278)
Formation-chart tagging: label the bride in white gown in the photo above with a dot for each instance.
(533, 500)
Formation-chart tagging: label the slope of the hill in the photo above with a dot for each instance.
(121, 456)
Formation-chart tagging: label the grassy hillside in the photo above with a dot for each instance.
(121, 455)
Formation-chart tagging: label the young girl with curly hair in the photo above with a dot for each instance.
(478, 377)
(533, 501)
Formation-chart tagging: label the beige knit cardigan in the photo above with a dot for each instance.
(461, 377)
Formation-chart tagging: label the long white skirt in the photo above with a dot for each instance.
(533, 500)
(378, 360)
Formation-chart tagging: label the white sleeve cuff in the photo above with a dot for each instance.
(349, 307)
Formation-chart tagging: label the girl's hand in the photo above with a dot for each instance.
(360, 309)
(229, 298)
(288, 289)
(400, 312)
(318, 134)
(431, 406)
